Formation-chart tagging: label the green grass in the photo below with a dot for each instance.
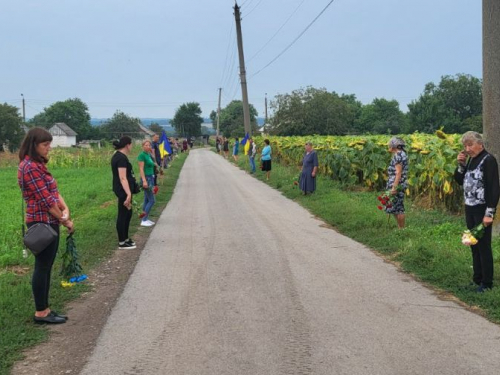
(429, 248)
(87, 192)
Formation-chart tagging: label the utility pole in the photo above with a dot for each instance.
(243, 76)
(491, 81)
(265, 103)
(218, 112)
(24, 110)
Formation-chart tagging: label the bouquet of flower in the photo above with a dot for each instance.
(71, 266)
(386, 199)
(472, 236)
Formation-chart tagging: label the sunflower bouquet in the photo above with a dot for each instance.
(471, 237)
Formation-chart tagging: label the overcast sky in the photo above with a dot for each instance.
(146, 57)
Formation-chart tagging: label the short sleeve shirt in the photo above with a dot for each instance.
(149, 164)
(120, 160)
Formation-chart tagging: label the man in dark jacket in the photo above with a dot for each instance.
(477, 172)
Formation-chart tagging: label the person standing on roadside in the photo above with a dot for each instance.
(309, 169)
(252, 151)
(123, 187)
(266, 159)
(44, 204)
(397, 173)
(477, 172)
(147, 172)
(236, 148)
(226, 147)
(155, 151)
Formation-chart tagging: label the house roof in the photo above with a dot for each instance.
(65, 128)
(146, 130)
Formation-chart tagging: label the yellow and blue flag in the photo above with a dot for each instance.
(164, 145)
(244, 142)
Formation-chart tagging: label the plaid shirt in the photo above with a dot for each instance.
(40, 191)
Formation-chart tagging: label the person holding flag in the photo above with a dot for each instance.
(164, 147)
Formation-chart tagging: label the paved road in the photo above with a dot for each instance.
(236, 279)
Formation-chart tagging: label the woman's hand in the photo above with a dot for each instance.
(393, 191)
(69, 224)
(128, 202)
(145, 184)
(487, 221)
(313, 174)
(462, 158)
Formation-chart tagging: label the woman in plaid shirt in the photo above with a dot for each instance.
(44, 204)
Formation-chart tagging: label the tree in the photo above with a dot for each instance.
(73, 112)
(382, 116)
(312, 111)
(120, 124)
(11, 133)
(231, 119)
(187, 120)
(452, 105)
(155, 127)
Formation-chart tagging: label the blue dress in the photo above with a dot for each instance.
(307, 181)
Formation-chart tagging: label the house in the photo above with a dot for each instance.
(148, 133)
(62, 135)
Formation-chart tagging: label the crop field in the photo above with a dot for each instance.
(363, 160)
(84, 180)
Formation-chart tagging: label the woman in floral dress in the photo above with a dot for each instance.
(397, 183)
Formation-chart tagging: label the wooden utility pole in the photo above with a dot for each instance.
(491, 81)
(218, 112)
(24, 110)
(243, 76)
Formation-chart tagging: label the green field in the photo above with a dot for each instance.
(87, 191)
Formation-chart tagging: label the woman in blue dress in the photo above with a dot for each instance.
(309, 170)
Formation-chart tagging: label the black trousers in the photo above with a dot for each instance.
(40, 283)
(123, 220)
(482, 255)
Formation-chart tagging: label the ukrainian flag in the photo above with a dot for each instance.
(164, 145)
(246, 145)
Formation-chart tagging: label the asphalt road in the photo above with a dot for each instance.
(236, 279)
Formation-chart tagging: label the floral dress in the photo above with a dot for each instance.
(401, 158)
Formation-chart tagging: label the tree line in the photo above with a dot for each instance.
(75, 113)
(454, 104)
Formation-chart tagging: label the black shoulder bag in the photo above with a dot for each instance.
(39, 235)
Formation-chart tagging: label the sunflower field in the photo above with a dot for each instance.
(363, 161)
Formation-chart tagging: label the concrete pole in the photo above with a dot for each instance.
(491, 82)
(218, 112)
(243, 77)
(24, 110)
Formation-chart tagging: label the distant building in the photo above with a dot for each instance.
(148, 133)
(62, 135)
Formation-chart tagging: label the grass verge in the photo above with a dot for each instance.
(429, 247)
(88, 194)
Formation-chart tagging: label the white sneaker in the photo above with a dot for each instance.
(146, 223)
(151, 222)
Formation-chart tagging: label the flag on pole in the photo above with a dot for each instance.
(164, 145)
(244, 140)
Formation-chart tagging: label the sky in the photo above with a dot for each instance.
(147, 57)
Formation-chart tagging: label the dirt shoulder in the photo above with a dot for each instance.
(70, 344)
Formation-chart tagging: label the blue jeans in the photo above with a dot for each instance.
(149, 197)
(252, 163)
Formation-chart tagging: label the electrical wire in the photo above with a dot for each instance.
(251, 11)
(277, 32)
(294, 41)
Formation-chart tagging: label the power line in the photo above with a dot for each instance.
(277, 32)
(295, 40)
(250, 11)
(227, 55)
